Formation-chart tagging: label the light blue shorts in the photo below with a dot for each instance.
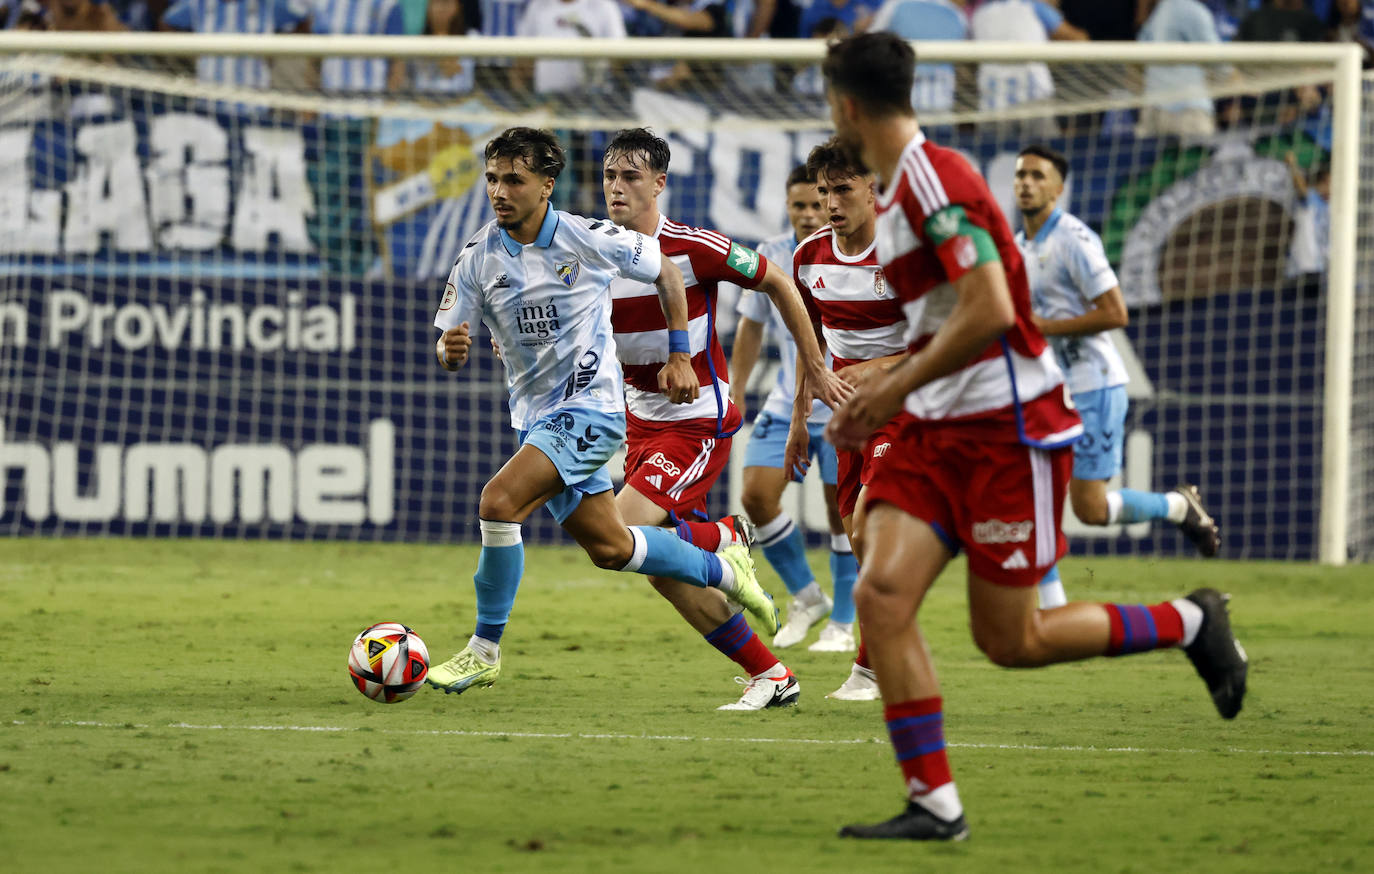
(1097, 454)
(579, 443)
(768, 444)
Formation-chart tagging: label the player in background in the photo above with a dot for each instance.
(765, 478)
(1077, 300)
(675, 452)
(539, 279)
(858, 314)
(983, 458)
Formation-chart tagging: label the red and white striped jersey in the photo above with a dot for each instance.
(641, 331)
(860, 315)
(1013, 390)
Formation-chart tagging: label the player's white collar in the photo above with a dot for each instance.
(543, 239)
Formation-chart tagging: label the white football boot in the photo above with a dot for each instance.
(835, 637)
(763, 691)
(800, 617)
(862, 685)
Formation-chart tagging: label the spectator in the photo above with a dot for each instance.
(566, 19)
(441, 75)
(809, 80)
(1348, 21)
(1282, 21)
(214, 16)
(1182, 105)
(82, 15)
(850, 13)
(1311, 241)
(1029, 21)
(687, 18)
(933, 88)
(359, 17)
(1117, 20)
(501, 17)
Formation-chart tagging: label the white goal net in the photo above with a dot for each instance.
(215, 297)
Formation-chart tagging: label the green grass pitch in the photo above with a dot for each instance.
(185, 706)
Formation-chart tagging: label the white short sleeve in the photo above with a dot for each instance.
(462, 300)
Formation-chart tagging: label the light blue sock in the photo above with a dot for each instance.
(1052, 590)
(1142, 506)
(499, 569)
(844, 570)
(659, 552)
(785, 550)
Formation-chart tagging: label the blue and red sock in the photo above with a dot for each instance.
(1140, 628)
(917, 730)
(738, 642)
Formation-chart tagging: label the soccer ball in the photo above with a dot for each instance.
(388, 662)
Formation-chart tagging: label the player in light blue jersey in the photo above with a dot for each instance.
(1077, 300)
(539, 279)
(764, 476)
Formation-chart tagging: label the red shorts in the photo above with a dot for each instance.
(1000, 501)
(675, 464)
(855, 469)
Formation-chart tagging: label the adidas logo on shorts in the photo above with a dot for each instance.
(1016, 562)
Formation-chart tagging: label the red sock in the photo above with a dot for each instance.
(1138, 628)
(917, 729)
(706, 535)
(861, 659)
(739, 642)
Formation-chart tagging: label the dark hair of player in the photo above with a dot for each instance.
(835, 161)
(636, 141)
(1054, 156)
(539, 147)
(801, 175)
(875, 69)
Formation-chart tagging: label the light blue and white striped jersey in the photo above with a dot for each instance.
(362, 18)
(501, 17)
(240, 16)
(1068, 270)
(548, 304)
(758, 307)
(933, 86)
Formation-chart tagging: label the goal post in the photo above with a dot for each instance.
(162, 231)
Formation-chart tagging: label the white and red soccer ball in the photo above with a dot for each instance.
(388, 662)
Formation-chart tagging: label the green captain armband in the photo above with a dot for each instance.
(959, 243)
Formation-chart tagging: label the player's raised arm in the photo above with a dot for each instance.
(677, 379)
(458, 311)
(453, 346)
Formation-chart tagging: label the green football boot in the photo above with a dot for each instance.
(748, 593)
(462, 672)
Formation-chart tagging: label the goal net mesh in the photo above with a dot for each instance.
(217, 275)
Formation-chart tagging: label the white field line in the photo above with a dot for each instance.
(571, 735)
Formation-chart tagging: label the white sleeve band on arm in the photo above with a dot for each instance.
(499, 533)
(439, 350)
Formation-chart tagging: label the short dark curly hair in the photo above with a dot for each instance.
(539, 147)
(835, 161)
(634, 140)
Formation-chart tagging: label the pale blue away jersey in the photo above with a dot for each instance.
(548, 305)
(1068, 270)
(758, 307)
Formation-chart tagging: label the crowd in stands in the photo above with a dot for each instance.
(1184, 105)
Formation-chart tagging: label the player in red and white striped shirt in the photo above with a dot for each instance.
(982, 462)
(675, 452)
(860, 319)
